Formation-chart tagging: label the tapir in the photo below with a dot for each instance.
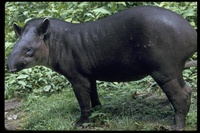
(126, 46)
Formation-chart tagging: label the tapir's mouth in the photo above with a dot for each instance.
(16, 68)
(13, 70)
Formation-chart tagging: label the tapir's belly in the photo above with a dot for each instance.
(120, 73)
(120, 78)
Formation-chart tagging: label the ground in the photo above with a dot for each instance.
(121, 110)
(11, 114)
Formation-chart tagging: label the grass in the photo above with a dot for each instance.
(133, 107)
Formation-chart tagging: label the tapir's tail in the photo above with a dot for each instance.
(189, 64)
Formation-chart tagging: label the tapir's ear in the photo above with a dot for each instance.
(17, 29)
(43, 28)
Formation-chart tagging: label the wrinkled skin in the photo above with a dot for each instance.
(126, 46)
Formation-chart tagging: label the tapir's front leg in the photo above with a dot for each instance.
(94, 94)
(82, 89)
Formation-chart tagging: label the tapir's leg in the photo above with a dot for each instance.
(186, 90)
(180, 99)
(82, 90)
(94, 94)
(179, 96)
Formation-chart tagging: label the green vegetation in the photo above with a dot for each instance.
(132, 107)
(48, 100)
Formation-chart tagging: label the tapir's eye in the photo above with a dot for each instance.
(35, 31)
(29, 51)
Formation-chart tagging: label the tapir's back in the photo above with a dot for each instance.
(133, 39)
(154, 21)
(166, 31)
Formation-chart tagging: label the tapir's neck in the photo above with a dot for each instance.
(64, 48)
(55, 46)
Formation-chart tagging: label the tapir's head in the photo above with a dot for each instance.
(30, 49)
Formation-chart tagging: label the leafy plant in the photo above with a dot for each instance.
(39, 80)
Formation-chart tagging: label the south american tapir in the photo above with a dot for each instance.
(126, 46)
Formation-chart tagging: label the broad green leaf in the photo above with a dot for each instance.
(47, 88)
(22, 76)
(101, 10)
(25, 12)
(121, 3)
(21, 83)
(27, 19)
(83, 4)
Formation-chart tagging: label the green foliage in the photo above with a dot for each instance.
(40, 80)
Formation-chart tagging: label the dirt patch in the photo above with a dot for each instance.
(11, 116)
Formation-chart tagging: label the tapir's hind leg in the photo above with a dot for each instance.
(178, 94)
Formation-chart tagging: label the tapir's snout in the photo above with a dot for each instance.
(11, 66)
(14, 64)
(11, 69)
(15, 67)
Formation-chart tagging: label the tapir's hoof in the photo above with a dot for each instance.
(81, 121)
(177, 128)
